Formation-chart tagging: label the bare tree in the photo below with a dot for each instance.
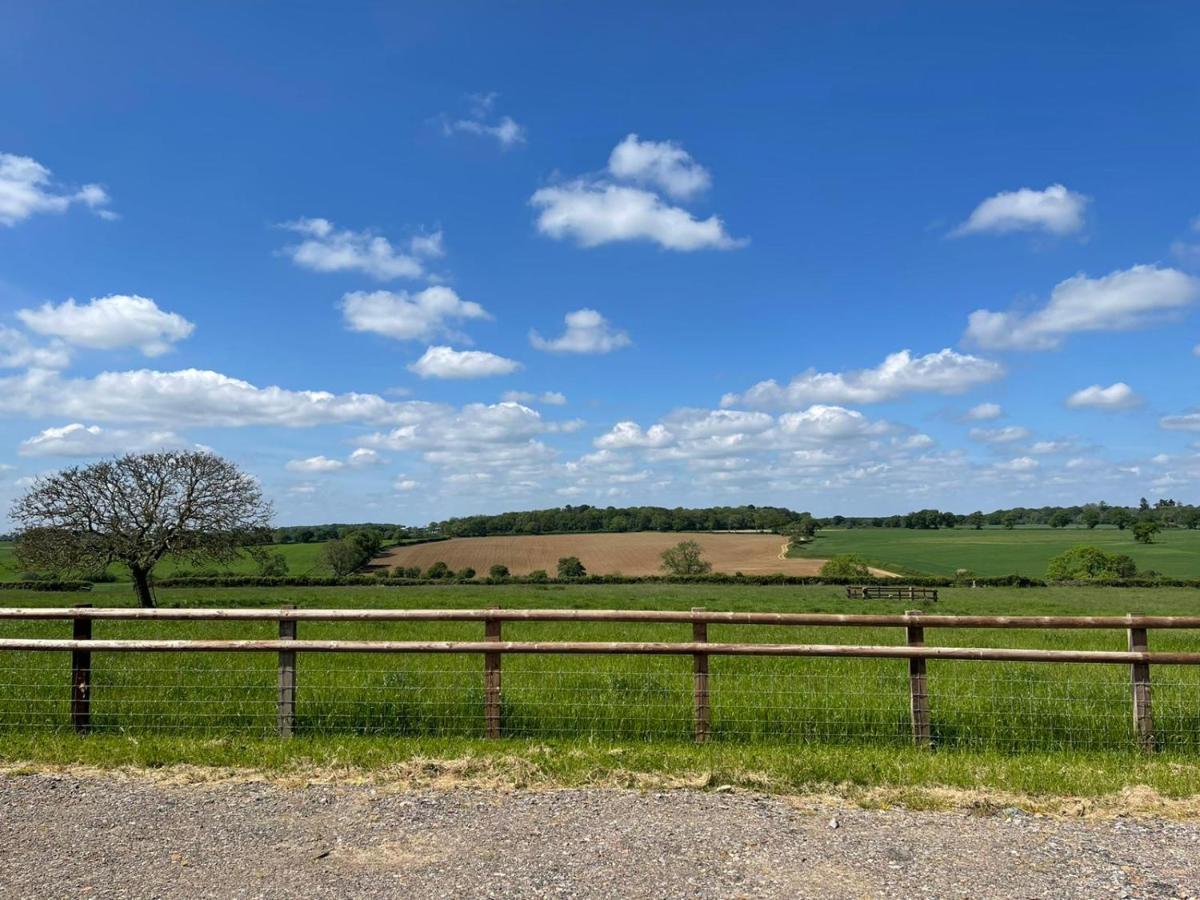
(137, 509)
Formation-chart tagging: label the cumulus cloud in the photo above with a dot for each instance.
(483, 122)
(1005, 435)
(110, 323)
(597, 210)
(77, 439)
(548, 398)
(361, 458)
(424, 315)
(587, 332)
(325, 248)
(984, 412)
(1183, 422)
(593, 213)
(26, 189)
(661, 164)
(1120, 301)
(187, 397)
(446, 362)
(944, 372)
(17, 352)
(630, 434)
(1115, 396)
(1020, 464)
(1054, 210)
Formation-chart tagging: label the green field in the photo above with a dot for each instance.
(781, 724)
(998, 551)
(302, 559)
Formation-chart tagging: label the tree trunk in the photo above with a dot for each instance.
(141, 585)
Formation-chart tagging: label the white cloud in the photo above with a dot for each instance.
(421, 316)
(109, 323)
(1120, 301)
(944, 372)
(1055, 210)
(446, 362)
(26, 189)
(547, 398)
(78, 439)
(482, 122)
(1043, 447)
(315, 464)
(405, 484)
(984, 412)
(1020, 464)
(630, 434)
(1115, 396)
(16, 352)
(363, 457)
(327, 249)
(1005, 435)
(1184, 422)
(663, 164)
(823, 422)
(594, 213)
(188, 397)
(587, 332)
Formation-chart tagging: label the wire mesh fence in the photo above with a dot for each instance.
(1009, 707)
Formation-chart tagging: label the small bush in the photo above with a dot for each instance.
(539, 575)
(437, 571)
(465, 574)
(845, 565)
(1085, 563)
(571, 567)
(498, 571)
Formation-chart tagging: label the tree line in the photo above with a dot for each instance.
(1165, 513)
(571, 519)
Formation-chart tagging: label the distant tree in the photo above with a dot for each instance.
(539, 575)
(268, 564)
(465, 574)
(1091, 517)
(1085, 563)
(1010, 520)
(685, 559)
(845, 565)
(438, 570)
(137, 509)
(1143, 505)
(1120, 517)
(1145, 530)
(571, 567)
(1191, 518)
(975, 520)
(1060, 519)
(498, 571)
(344, 557)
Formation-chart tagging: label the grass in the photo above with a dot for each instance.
(998, 551)
(302, 559)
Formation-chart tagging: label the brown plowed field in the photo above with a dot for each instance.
(635, 553)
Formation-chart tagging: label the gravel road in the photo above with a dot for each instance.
(64, 835)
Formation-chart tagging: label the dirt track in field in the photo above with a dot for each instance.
(637, 553)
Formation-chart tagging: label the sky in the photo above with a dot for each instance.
(405, 262)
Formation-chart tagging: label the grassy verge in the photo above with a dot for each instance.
(865, 775)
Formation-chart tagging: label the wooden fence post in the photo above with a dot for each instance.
(491, 680)
(286, 705)
(918, 692)
(1143, 718)
(81, 675)
(703, 713)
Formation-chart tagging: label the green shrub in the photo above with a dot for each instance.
(465, 574)
(438, 570)
(845, 565)
(1085, 563)
(571, 567)
(539, 575)
(498, 571)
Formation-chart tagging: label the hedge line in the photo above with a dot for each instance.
(719, 578)
(45, 585)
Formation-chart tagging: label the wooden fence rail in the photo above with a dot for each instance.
(288, 645)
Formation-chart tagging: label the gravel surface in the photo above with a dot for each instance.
(75, 836)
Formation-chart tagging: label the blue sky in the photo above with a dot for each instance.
(409, 262)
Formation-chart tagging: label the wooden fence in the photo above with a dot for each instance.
(890, 592)
(492, 648)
